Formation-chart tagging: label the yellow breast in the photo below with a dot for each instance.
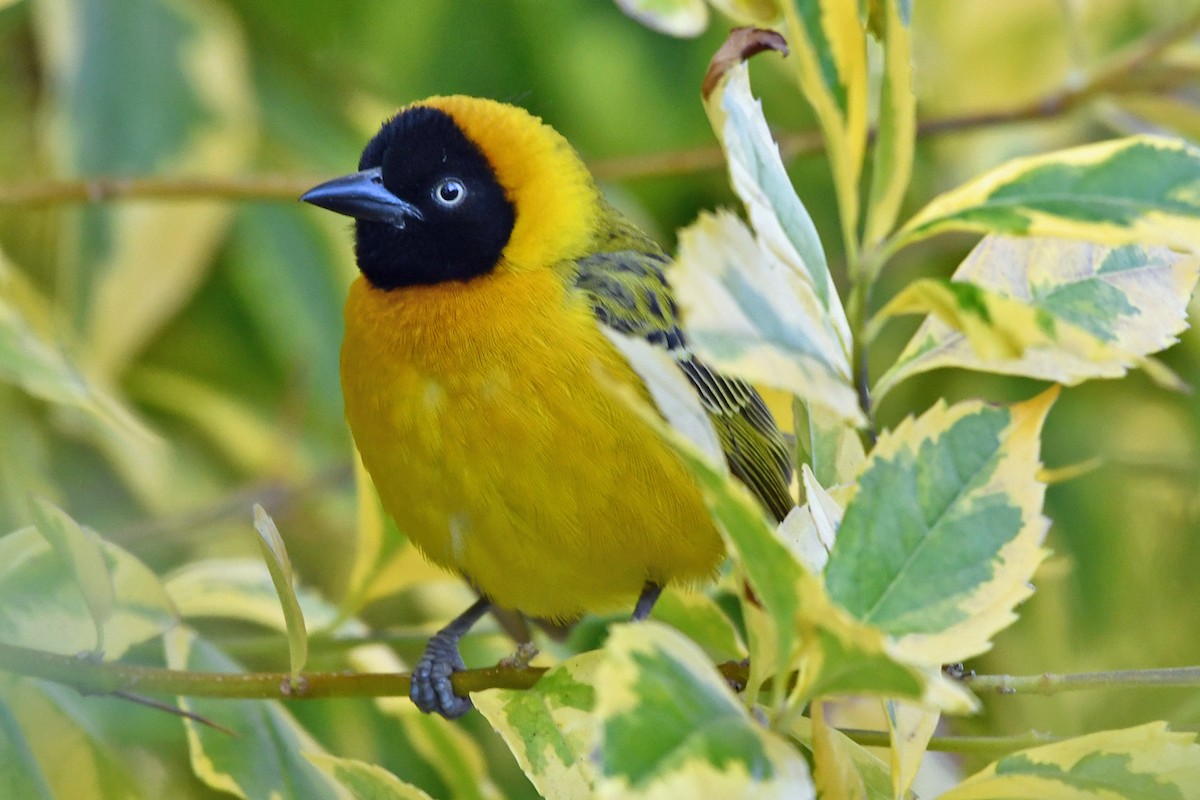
(482, 414)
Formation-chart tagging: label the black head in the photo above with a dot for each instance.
(426, 203)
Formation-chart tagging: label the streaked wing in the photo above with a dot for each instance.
(629, 293)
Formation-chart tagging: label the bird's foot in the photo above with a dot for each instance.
(431, 689)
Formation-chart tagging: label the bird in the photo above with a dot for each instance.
(478, 379)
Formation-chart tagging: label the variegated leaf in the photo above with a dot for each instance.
(1054, 309)
(828, 45)
(365, 781)
(897, 123)
(279, 565)
(754, 316)
(1141, 189)
(1148, 762)
(683, 18)
(671, 727)
(550, 728)
(944, 532)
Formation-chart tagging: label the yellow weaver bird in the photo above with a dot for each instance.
(478, 378)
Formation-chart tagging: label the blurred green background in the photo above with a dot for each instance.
(196, 340)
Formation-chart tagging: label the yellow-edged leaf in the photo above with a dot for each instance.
(266, 757)
(1137, 190)
(911, 727)
(1054, 309)
(834, 770)
(80, 551)
(834, 449)
(683, 18)
(939, 543)
(876, 781)
(1148, 762)
(671, 727)
(550, 728)
(365, 781)
(274, 553)
(828, 45)
(749, 12)
(897, 123)
(130, 268)
(751, 315)
(44, 607)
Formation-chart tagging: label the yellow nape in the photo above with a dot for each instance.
(558, 203)
(484, 412)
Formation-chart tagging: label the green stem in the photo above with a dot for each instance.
(1049, 683)
(967, 745)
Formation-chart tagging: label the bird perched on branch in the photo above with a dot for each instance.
(478, 379)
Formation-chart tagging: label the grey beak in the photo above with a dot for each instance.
(362, 196)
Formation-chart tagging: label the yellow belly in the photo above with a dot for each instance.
(481, 414)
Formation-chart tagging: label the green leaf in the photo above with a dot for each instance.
(750, 314)
(1138, 190)
(911, 727)
(749, 12)
(274, 553)
(43, 607)
(682, 18)
(550, 728)
(1148, 762)
(186, 106)
(874, 774)
(944, 532)
(834, 449)
(267, 757)
(81, 553)
(46, 752)
(829, 54)
(32, 360)
(242, 589)
(897, 124)
(365, 781)
(672, 727)
(698, 617)
(1059, 310)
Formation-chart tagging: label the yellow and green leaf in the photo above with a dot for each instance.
(671, 727)
(911, 727)
(897, 127)
(828, 45)
(274, 553)
(44, 606)
(267, 755)
(833, 448)
(128, 269)
(550, 728)
(682, 18)
(365, 781)
(1141, 189)
(1054, 309)
(1148, 762)
(944, 532)
(752, 315)
(81, 552)
(872, 772)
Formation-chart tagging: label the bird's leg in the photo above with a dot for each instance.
(646, 601)
(431, 689)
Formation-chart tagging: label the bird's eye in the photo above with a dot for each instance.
(449, 192)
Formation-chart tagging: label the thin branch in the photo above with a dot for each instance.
(1049, 683)
(1108, 77)
(970, 745)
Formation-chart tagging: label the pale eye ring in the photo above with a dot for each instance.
(449, 192)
